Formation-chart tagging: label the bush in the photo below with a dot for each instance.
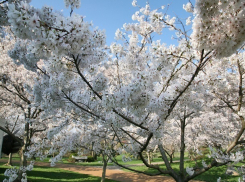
(90, 159)
(70, 159)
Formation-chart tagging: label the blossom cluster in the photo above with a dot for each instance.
(219, 26)
(12, 173)
(53, 34)
(73, 3)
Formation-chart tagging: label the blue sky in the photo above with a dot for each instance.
(112, 14)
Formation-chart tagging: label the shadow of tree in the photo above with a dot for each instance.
(41, 174)
(213, 174)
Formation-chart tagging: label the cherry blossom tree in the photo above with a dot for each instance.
(147, 79)
(16, 87)
(131, 88)
(229, 94)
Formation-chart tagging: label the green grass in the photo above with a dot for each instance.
(119, 159)
(48, 174)
(210, 176)
(99, 163)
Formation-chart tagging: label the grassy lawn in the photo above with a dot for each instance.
(96, 163)
(119, 159)
(99, 162)
(41, 174)
(210, 176)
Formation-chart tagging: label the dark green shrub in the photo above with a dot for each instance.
(90, 159)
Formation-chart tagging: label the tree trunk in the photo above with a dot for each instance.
(23, 164)
(149, 157)
(23, 150)
(182, 149)
(94, 155)
(10, 159)
(181, 179)
(104, 167)
(170, 159)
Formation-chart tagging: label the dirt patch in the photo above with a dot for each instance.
(115, 174)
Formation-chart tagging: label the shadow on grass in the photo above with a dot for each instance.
(41, 174)
(213, 174)
(210, 176)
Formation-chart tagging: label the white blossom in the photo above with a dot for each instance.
(190, 171)
(188, 21)
(134, 3)
(188, 7)
(73, 3)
